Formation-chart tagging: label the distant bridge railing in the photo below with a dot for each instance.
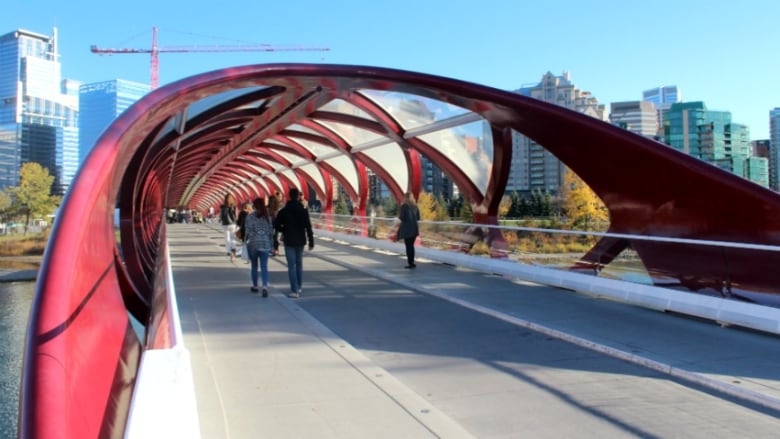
(549, 256)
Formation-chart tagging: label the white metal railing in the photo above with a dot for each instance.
(624, 279)
(164, 402)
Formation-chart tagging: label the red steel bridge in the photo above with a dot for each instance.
(253, 130)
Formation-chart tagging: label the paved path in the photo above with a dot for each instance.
(373, 350)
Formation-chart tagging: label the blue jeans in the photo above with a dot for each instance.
(262, 255)
(294, 257)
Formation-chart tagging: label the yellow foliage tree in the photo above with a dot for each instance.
(582, 207)
(427, 205)
(504, 206)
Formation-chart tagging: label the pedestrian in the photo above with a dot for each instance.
(246, 209)
(295, 226)
(227, 216)
(258, 236)
(408, 230)
(274, 204)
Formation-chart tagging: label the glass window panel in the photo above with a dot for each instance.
(353, 135)
(345, 167)
(344, 107)
(470, 146)
(413, 111)
(391, 154)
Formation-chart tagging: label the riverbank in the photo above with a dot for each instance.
(19, 268)
(18, 275)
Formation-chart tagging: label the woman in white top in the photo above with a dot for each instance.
(227, 216)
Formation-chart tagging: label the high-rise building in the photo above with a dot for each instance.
(663, 98)
(99, 104)
(38, 121)
(711, 136)
(774, 149)
(533, 167)
(638, 117)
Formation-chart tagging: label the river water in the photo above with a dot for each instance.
(15, 301)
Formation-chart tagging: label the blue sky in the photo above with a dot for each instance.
(722, 53)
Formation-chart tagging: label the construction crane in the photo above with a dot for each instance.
(156, 50)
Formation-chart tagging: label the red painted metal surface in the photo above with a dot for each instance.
(82, 354)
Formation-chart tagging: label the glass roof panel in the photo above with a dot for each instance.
(299, 127)
(391, 154)
(345, 167)
(168, 128)
(208, 102)
(316, 148)
(261, 187)
(275, 179)
(292, 158)
(314, 175)
(413, 111)
(290, 174)
(352, 134)
(470, 146)
(258, 170)
(344, 107)
(276, 165)
(274, 141)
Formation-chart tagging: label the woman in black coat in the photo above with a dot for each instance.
(409, 214)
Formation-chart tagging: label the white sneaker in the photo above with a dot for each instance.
(294, 295)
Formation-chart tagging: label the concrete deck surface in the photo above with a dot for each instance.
(374, 350)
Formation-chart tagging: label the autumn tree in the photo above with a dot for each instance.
(504, 206)
(582, 207)
(6, 203)
(427, 205)
(33, 198)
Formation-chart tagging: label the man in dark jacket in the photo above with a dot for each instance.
(295, 226)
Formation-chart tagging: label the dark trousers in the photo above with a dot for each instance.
(409, 243)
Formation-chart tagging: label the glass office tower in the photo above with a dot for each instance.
(711, 136)
(663, 98)
(38, 122)
(774, 148)
(101, 103)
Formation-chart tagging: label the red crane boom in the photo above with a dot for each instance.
(156, 50)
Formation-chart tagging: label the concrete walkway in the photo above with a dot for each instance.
(373, 350)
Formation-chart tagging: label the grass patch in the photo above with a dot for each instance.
(32, 244)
